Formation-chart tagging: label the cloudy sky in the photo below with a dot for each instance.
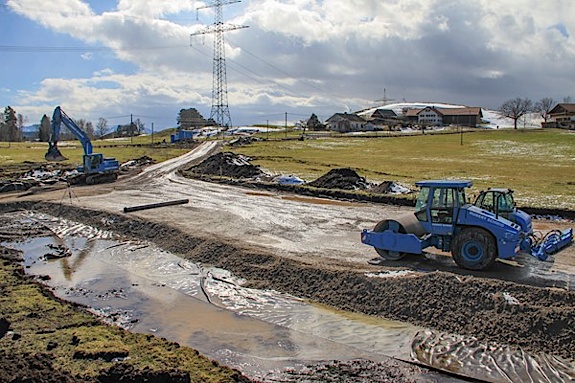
(105, 58)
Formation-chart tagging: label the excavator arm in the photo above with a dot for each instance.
(59, 118)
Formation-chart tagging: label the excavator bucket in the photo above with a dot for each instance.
(53, 154)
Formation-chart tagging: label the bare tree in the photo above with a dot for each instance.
(90, 130)
(102, 127)
(516, 108)
(20, 127)
(140, 126)
(567, 100)
(544, 106)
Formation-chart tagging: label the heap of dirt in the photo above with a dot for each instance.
(137, 163)
(227, 164)
(344, 178)
(22, 177)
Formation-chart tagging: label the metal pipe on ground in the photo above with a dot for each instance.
(155, 205)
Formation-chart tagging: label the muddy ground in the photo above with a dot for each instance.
(28, 344)
(539, 319)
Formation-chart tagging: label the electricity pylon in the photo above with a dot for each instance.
(220, 110)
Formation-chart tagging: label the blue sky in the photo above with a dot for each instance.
(297, 56)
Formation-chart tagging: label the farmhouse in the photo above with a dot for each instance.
(469, 116)
(562, 116)
(431, 116)
(381, 119)
(345, 122)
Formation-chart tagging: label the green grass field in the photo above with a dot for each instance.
(122, 149)
(537, 164)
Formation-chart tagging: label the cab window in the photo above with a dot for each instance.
(443, 202)
(421, 204)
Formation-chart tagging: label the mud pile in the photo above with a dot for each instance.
(240, 141)
(37, 176)
(344, 178)
(137, 163)
(227, 164)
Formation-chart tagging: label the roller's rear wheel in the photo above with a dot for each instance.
(474, 249)
(396, 228)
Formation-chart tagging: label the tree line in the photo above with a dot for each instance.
(12, 128)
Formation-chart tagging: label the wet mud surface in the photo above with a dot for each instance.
(536, 319)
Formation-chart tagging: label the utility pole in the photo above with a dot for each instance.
(220, 110)
(286, 124)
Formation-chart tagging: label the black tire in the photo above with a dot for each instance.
(397, 228)
(474, 248)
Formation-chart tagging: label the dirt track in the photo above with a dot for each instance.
(310, 247)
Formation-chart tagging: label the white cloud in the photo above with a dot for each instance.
(316, 56)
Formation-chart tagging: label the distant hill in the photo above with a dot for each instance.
(31, 131)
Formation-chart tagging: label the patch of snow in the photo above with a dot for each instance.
(288, 180)
(399, 189)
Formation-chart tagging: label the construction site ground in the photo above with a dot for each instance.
(309, 247)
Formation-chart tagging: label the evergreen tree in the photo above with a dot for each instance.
(314, 124)
(44, 130)
(191, 118)
(10, 128)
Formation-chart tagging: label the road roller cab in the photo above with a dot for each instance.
(444, 219)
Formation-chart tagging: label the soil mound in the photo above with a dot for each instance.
(228, 164)
(137, 163)
(344, 178)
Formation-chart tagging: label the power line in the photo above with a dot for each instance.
(63, 49)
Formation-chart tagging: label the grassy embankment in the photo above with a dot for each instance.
(77, 344)
(537, 164)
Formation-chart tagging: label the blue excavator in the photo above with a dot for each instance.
(475, 234)
(95, 167)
